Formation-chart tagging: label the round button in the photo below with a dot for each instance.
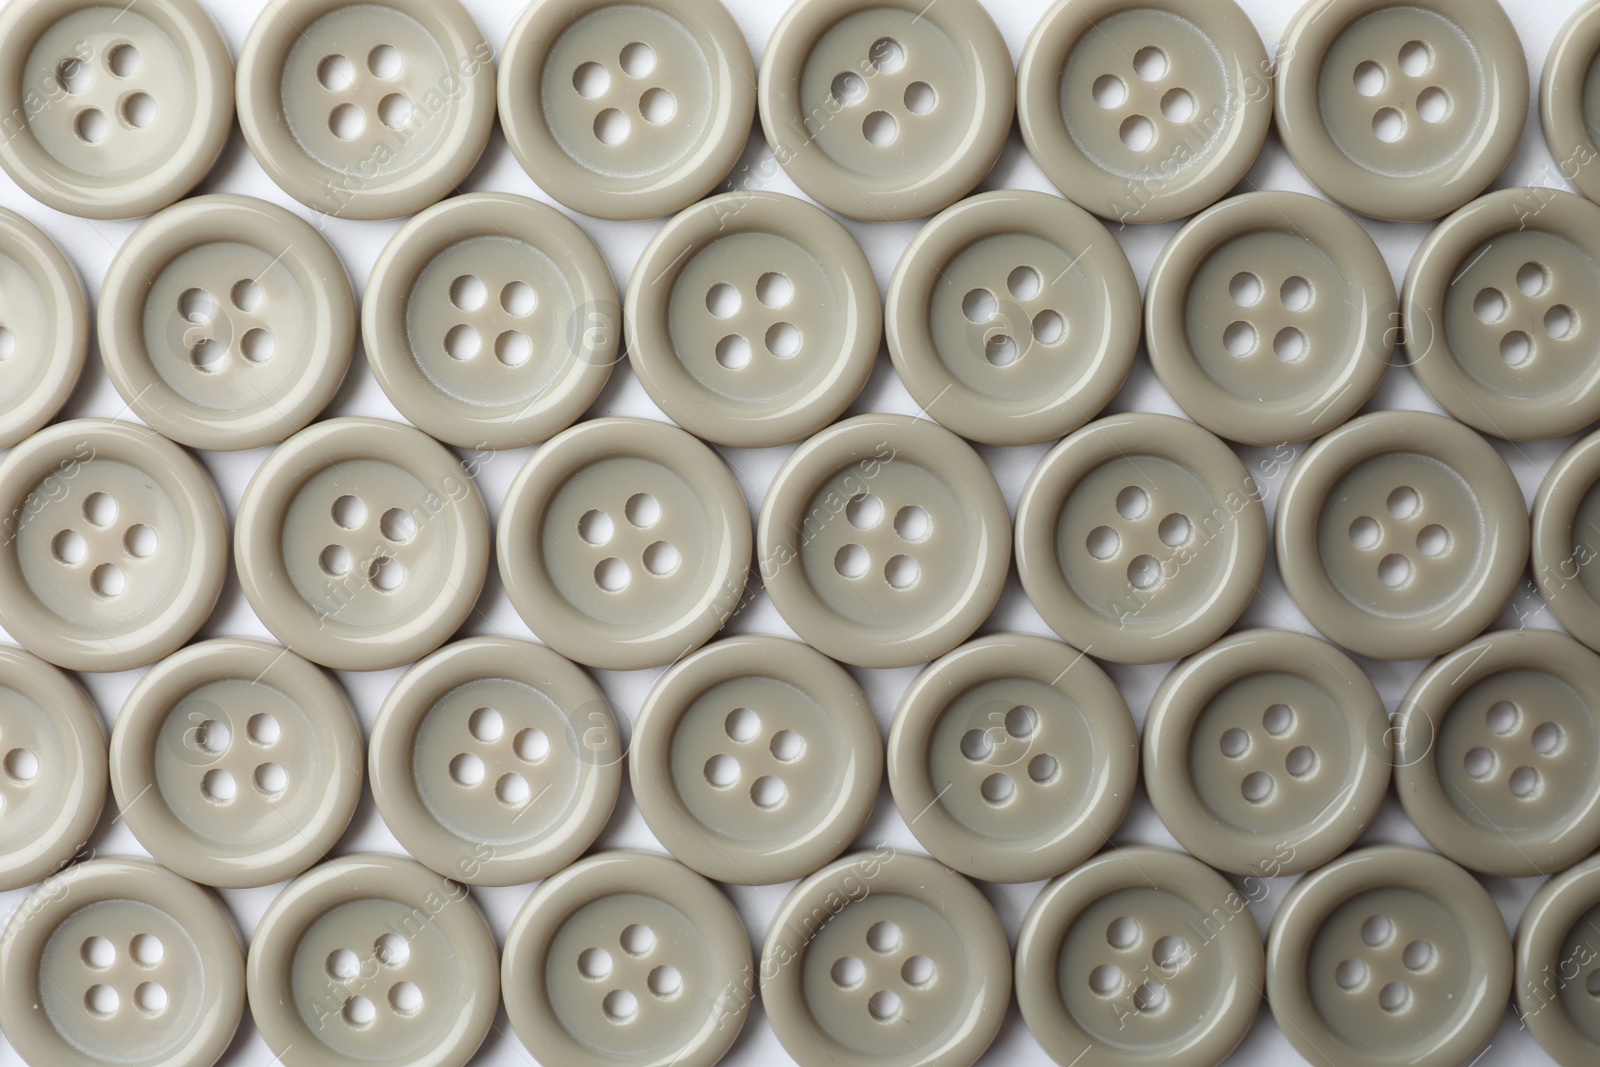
(491, 321)
(1556, 965)
(627, 958)
(1388, 955)
(624, 543)
(886, 110)
(114, 548)
(1013, 317)
(1569, 107)
(1401, 110)
(366, 110)
(1491, 326)
(1144, 110)
(495, 761)
(1140, 538)
(373, 959)
(52, 764)
(1491, 760)
(1142, 955)
(112, 111)
(1013, 758)
(46, 333)
(1267, 754)
(884, 541)
(1565, 514)
(756, 760)
(226, 322)
(753, 319)
(362, 544)
(1401, 535)
(885, 959)
(627, 110)
(1271, 317)
(236, 763)
(118, 961)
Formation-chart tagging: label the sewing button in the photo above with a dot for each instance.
(886, 110)
(495, 762)
(115, 545)
(362, 544)
(45, 336)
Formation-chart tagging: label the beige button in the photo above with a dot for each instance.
(624, 543)
(884, 540)
(112, 110)
(1401, 109)
(236, 762)
(627, 110)
(1388, 955)
(1140, 956)
(119, 961)
(1013, 758)
(1144, 110)
(45, 336)
(52, 768)
(115, 547)
(885, 959)
(886, 110)
(755, 760)
(373, 959)
(1493, 757)
(495, 762)
(366, 110)
(362, 544)
(627, 958)
(1140, 538)
(1401, 535)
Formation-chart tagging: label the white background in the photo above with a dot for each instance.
(91, 246)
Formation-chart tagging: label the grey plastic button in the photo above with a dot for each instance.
(1013, 317)
(491, 321)
(1401, 535)
(112, 111)
(119, 961)
(1490, 757)
(1142, 955)
(884, 541)
(1556, 966)
(45, 336)
(373, 959)
(1401, 110)
(226, 322)
(114, 548)
(362, 544)
(1140, 538)
(1565, 513)
(755, 760)
(1270, 317)
(52, 768)
(1144, 110)
(1569, 110)
(627, 110)
(1388, 955)
(753, 319)
(1268, 753)
(885, 959)
(1491, 326)
(1013, 758)
(627, 958)
(236, 763)
(886, 110)
(495, 761)
(624, 543)
(366, 110)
